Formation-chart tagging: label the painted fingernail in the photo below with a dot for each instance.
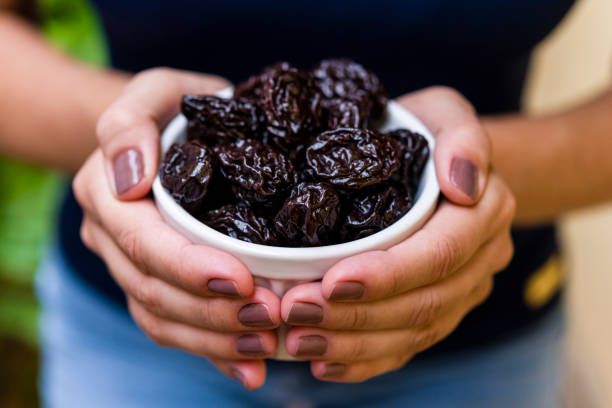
(347, 291)
(250, 344)
(223, 287)
(333, 370)
(255, 315)
(128, 169)
(238, 376)
(305, 313)
(465, 176)
(313, 345)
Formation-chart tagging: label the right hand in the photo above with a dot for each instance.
(182, 295)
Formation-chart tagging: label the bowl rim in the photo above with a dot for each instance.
(427, 197)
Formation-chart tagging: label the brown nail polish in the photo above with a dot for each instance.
(255, 315)
(465, 176)
(333, 370)
(238, 376)
(250, 344)
(223, 287)
(305, 313)
(128, 169)
(347, 291)
(313, 345)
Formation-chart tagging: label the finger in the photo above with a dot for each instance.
(128, 131)
(430, 255)
(357, 371)
(250, 373)
(138, 229)
(206, 343)
(261, 310)
(304, 305)
(348, 346)
(463, 150)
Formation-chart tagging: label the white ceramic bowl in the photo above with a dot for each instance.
(280, 268)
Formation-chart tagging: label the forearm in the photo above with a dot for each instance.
(556, 163)
(50, 103)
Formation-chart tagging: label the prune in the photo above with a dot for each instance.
(366, 214)
(348, 80)
(309, 215)
(291, 107)
(353, 158)
(414, 155)
(186, 172)
(242, 223)
(252, 88)
(344, 113)
(260, 174)
(213, 120)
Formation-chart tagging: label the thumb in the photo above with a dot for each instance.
(463, 150)
(128, 132)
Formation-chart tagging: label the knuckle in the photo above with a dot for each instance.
(85, 234)
(145, 291)
(426, 338)
(446, 92)
(130, 244)
(447, 253)
(150, 325)
(356, 318)
(114, 121)
(428, 308)
(358, 349)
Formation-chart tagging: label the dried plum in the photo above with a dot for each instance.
(260, 174)
(344, 113)
(309, 215)
(214, 120)
(240, 222)
(186, 172)
(290, 103)
(413, 157)
(366, 214)
(346, 79)
(353, 158)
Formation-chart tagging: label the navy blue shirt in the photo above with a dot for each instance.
(480, 47)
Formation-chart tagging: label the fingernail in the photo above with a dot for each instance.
(250, 344)
(347, 291)
(223, 287)
(128, 169)
(305, 313)
(238, 376)
(255, 315)
(313, 345)
(334, 370)
(465, 176)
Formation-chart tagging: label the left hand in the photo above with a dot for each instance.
(374, 311)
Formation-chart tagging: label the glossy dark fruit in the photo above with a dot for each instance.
(353, 158)
(252, 88)
(260, 174)
(186, 172)
(414, 155)
(214, 120)
(290, 103)
(348, 80)
(309, 216)
(344, 113)
(240, 222)
(366, 214)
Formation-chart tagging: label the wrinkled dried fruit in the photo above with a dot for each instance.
(353, 158)
(309, 215)
(214, 120)
(239, 221)
(252, 88)
(344, 113)
(186, 172)
(346, 79)
(291, 107)
(366, 214)
(260, 174)
(414, 155)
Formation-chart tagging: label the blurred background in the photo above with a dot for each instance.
(575, 62)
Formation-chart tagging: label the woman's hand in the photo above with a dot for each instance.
(374, 311)
(182, 295)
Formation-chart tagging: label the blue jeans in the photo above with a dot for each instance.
(95, 356)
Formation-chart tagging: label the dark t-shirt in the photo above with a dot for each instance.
(480, 47)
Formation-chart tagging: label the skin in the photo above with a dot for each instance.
(415, 293)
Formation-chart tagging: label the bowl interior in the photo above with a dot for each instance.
(424, 203)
